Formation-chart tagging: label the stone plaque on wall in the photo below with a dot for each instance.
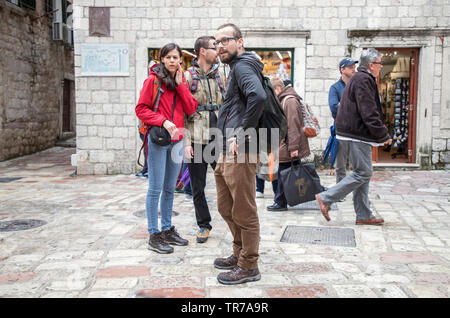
(105, 60)
(99, 22)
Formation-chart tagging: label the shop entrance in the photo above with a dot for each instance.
(397, 85)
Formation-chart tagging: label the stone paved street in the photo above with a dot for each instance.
(93, 244)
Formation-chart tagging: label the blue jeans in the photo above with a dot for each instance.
(164, 164)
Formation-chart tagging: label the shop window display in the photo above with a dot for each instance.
(395, 92)
(277, 63)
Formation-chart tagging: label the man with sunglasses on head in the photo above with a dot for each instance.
(359, 126)
(206, 82)
(235, 173)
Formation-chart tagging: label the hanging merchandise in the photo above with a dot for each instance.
(400, 130)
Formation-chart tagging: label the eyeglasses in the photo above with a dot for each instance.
(225, 41)
(211, 48)
(381, 63)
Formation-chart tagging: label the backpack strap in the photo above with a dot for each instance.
(195, 79)
(219, 82)
(286, 98)
(143, 127)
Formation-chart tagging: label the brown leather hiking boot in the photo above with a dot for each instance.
(239, 276)
(226, 263)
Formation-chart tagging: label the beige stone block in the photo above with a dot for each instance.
(115, 283)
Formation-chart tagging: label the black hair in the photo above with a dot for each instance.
(163, 73)
(202, 42)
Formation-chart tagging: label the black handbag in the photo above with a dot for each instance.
(300, 183)
(159, 135)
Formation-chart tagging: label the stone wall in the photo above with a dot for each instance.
(32, 70)
(107, 134)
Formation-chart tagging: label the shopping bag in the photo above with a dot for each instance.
(300, 183)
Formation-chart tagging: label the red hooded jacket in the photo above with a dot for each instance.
(185, 103)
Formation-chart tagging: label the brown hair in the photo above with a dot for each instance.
(163, 73)
(236, 31)
(277, 82)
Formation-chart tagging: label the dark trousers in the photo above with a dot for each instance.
(197, 173)
(280, 199)
(260, 185)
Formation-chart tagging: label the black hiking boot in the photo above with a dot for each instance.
(156, 243)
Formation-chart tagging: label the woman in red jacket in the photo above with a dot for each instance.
(164, 162)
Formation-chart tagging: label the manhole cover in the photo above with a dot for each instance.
(311, 205)
(20, 225)
(319, 235)
(6, 180)
(143, 214)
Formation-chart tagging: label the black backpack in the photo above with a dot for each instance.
(273, 116)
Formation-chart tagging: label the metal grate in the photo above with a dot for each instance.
(311, 205)
(20, 225)
(7, 180)
(319, 235)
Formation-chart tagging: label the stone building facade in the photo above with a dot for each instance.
(36, 80)
(319, 33)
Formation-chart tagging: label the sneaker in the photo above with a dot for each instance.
(142, 175)
(276, 207)
(157, 244)
(226, 263)
(259, 194)
(202, 235)
(239, 276)
(172, 237)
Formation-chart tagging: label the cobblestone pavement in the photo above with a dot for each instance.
(94, 243)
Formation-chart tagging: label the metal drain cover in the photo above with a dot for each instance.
(7, 180)
(311, 205)
(319, 235)
(20, 225)
(143, 214)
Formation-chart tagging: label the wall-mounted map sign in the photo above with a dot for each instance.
(104, 60)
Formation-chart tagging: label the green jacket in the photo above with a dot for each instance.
(197, 125)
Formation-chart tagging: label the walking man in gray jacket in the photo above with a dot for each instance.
(359, 125)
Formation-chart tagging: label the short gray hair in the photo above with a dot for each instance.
(368, 56)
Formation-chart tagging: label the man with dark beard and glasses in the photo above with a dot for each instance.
(235, 173)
